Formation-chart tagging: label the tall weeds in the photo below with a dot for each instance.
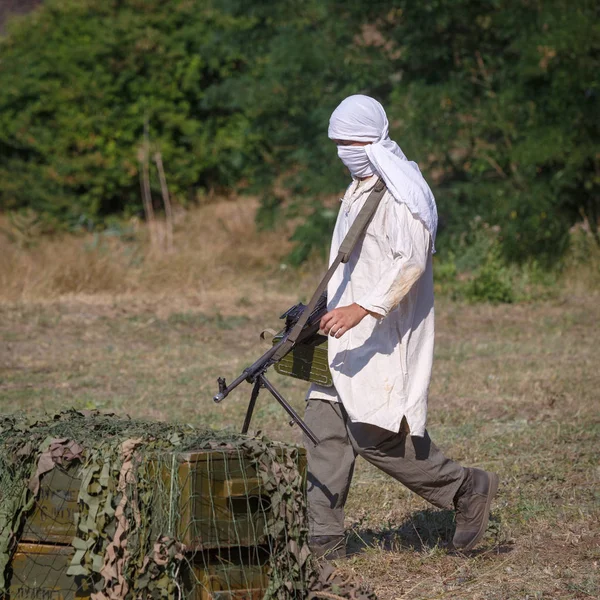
(216, 247)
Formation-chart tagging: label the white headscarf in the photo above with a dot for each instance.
(362, 119)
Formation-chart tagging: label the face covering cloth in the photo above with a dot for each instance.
(356, 160)
(362, 119)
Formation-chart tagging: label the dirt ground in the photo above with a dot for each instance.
(515, 390)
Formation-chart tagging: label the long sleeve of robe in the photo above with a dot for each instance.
(381, 368)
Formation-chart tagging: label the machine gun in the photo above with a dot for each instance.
(285, 342)
(302, 323)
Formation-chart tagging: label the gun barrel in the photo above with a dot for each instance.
(248, 374)
(225, 392)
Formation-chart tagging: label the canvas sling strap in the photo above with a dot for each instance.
(357, 228)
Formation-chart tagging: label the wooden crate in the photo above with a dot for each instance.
(224, 580)
(39, 573)
(52, 519)
(221, 501)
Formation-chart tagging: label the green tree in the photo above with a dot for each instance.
(79, 78)
(235, 93)
(496, 99)
(500, 101)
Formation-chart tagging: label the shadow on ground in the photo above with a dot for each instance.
(422, 531)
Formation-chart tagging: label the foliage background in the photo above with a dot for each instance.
(497, 100)
(104, 320)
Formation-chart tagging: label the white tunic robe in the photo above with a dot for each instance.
(382, 367)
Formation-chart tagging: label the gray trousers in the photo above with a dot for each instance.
(415, 462)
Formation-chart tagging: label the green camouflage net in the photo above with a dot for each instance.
(108, 508)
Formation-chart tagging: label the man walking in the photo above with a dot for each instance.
(381, 335)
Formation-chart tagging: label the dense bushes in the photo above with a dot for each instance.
(497, 100)
(221, 89)
(501, 100)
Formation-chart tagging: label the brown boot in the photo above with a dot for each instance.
(330, 547)
(472, 502)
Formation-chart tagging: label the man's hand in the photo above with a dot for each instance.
(339, 320)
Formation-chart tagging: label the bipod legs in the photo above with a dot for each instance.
(262, 381)
(251, 404)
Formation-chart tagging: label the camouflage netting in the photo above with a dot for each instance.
(144, 523)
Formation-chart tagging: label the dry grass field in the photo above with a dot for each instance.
(103, 323)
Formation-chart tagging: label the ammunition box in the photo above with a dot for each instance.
(52, 519)
(223, 580)
(220, 501)
(307, 361)
(39, 573)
